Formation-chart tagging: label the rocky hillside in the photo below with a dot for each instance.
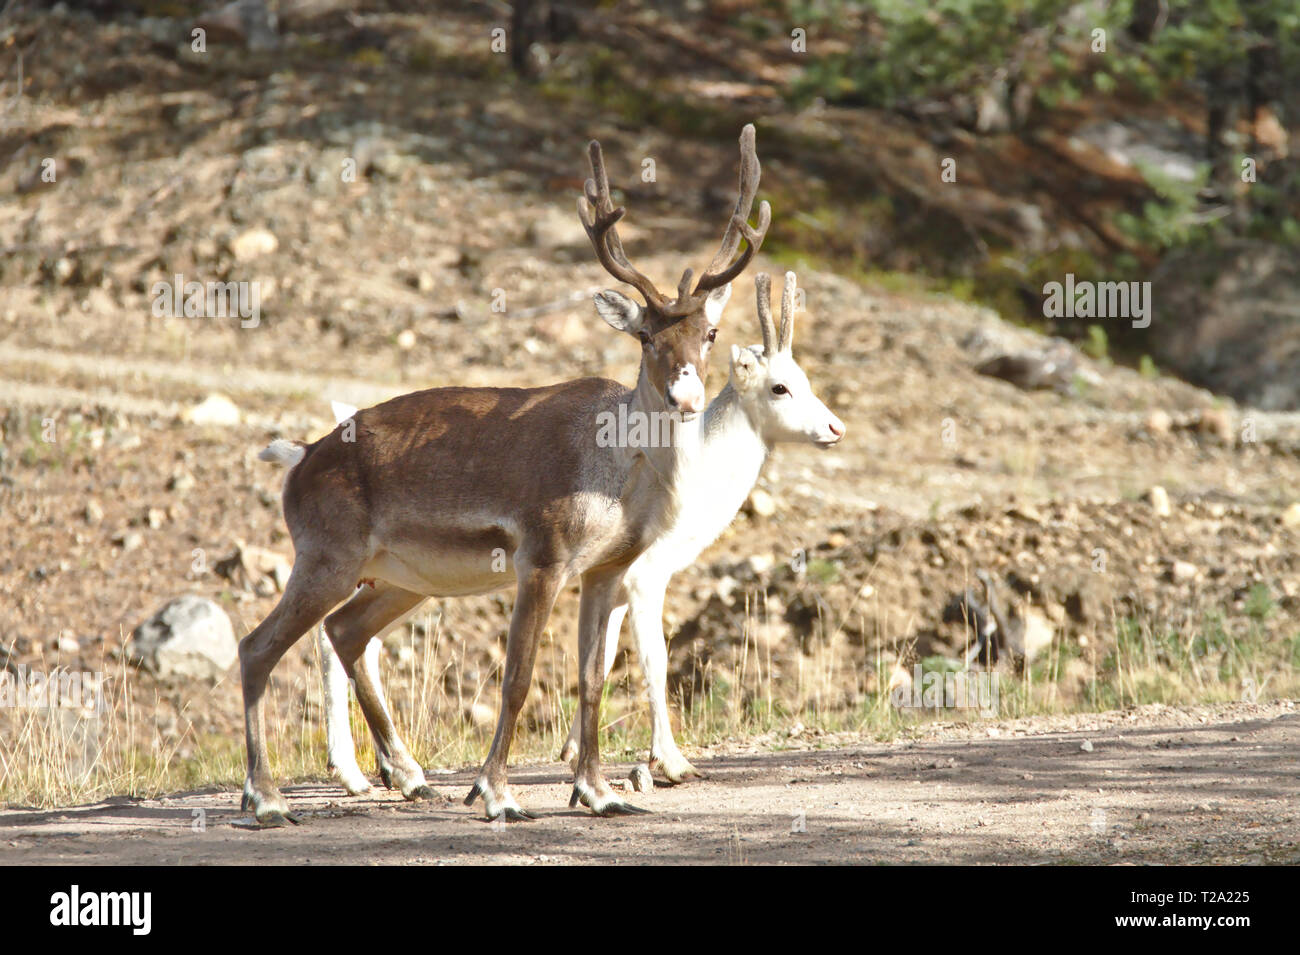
(1111, 506)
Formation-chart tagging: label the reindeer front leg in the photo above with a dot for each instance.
(599, 592)
(569, 754)
(538, 588)
(646, 598)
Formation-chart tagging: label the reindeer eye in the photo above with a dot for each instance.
(713, 334)
(780, 390)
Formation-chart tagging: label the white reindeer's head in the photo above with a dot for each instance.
(772, 387)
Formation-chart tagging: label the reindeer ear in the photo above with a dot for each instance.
(619, 311)
(716, 302)
(744, 364)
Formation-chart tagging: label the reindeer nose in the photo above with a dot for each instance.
(837, 428)
(686, 392)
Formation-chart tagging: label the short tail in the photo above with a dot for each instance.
(283, 452)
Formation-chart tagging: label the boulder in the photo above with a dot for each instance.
(216, 409)
(1228, 318)
(190, 638)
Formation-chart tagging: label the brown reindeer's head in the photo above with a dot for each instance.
(675, 334)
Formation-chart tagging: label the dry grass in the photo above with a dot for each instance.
(56, 756)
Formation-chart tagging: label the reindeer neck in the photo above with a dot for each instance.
(673, 441)
(712, 483)
(732, 451)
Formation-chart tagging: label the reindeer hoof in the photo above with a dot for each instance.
(676, 771)
(498, 805)
(604, 806)
(421, 793)
(277, 820)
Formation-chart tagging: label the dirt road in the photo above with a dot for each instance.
(1215, 784)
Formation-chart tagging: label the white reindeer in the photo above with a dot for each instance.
(766, 401)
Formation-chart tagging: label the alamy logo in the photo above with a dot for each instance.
(956, 689)
(637, 429)
(26, 689)
(181, 299)
(74, 907)
(1073, 299)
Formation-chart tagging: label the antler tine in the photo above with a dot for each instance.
(684, 286)
(718, 272)
(763, 292)
(749, 175)
(786, 338)
(599, 218)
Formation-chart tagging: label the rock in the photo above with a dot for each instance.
(215, 409)
(1159, 499)
(161, 30)
(68, 645)
(1053, 367)
(641, 779)
(181, 481)
(1159, 422)
(1027, 513)
(254, 568)
(189, 638)
(1037, 636)
(154, 518)
(1232, 330)
(760, 503)
(406, 339)
(128, 540)
(253, 244)
(1291, 516)
(1217, 423)
(248, 22)
(1086, 746)
(1182, 572)
(391, 165)
(93, 513)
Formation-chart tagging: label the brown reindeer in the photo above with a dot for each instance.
(448, 491)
